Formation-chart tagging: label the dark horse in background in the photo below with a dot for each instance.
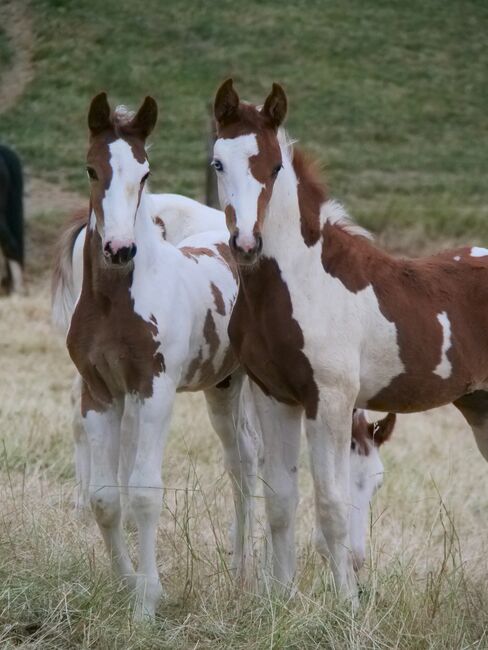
(11, 220)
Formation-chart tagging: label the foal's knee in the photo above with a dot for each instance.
(281, 509)
(105, 503)
(145, 502)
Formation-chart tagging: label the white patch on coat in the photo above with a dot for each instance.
(444, 367)
(367, 349)
(476, 251)
(457, 258)
(237, 186)
(120, 201)
(17, 276)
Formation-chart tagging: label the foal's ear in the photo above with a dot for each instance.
(380, 431)
(99, 114)
(226, 103)
(146, 117)
(275, 106)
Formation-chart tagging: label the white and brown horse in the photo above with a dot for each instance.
(325, 321)
(151, 320)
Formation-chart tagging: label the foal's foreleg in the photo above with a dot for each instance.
(229, 411)
(280, 427)
(103, 431)
(145, 490)
(329, 440)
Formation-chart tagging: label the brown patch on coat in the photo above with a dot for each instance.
(113, 348)
(228, 259)
(311, 195)
(268, 341)
(411, 294)
(160, 223)
(218, 299)
(194, 252)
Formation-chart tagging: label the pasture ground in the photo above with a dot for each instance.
(392, 97)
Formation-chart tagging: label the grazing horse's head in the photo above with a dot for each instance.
(247, 159)
(366, 476)
(117, 167)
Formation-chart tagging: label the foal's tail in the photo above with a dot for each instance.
(64, 289)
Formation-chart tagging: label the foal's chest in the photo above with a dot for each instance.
(114, 349)
(268, 341)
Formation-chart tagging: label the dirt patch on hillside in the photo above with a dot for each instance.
(42, 197)
(17, 23)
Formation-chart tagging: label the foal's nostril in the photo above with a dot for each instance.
(107, 251)
(233, 240)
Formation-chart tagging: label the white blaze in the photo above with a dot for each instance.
(120, 201)
(237, 185)
(444, 367)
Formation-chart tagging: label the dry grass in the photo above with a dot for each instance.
(425, 587)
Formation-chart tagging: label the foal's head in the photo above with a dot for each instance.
(117, 167)
(247, 159)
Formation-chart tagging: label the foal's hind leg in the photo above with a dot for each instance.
(474, 407)
(227, 407)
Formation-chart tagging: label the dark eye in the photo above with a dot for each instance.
(218, 166)
(276, 170)
(92, 174)
(145, 177)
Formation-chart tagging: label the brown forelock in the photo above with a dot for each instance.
(312, 194)
(359, 433)
(410, 294)
(249, 120)
(113, 348)
(268, 341)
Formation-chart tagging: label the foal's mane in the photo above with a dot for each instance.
(308, 172)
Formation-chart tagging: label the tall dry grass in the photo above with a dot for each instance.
(424, 587)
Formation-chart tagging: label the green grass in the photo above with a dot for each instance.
(391, 96)
(5, 51)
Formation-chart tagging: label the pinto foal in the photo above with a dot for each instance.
(151, 320)
(325, 321)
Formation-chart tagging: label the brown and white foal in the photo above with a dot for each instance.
(151, 320)
(325, 321)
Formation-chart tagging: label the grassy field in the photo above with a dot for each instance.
(392, 98)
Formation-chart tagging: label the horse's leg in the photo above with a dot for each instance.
(129, 432)
(280, 427)
(474, 407)
(227, 407)
(82, 449)
(329, 440)
(103, 432)
(16, 275)
(146, 489)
